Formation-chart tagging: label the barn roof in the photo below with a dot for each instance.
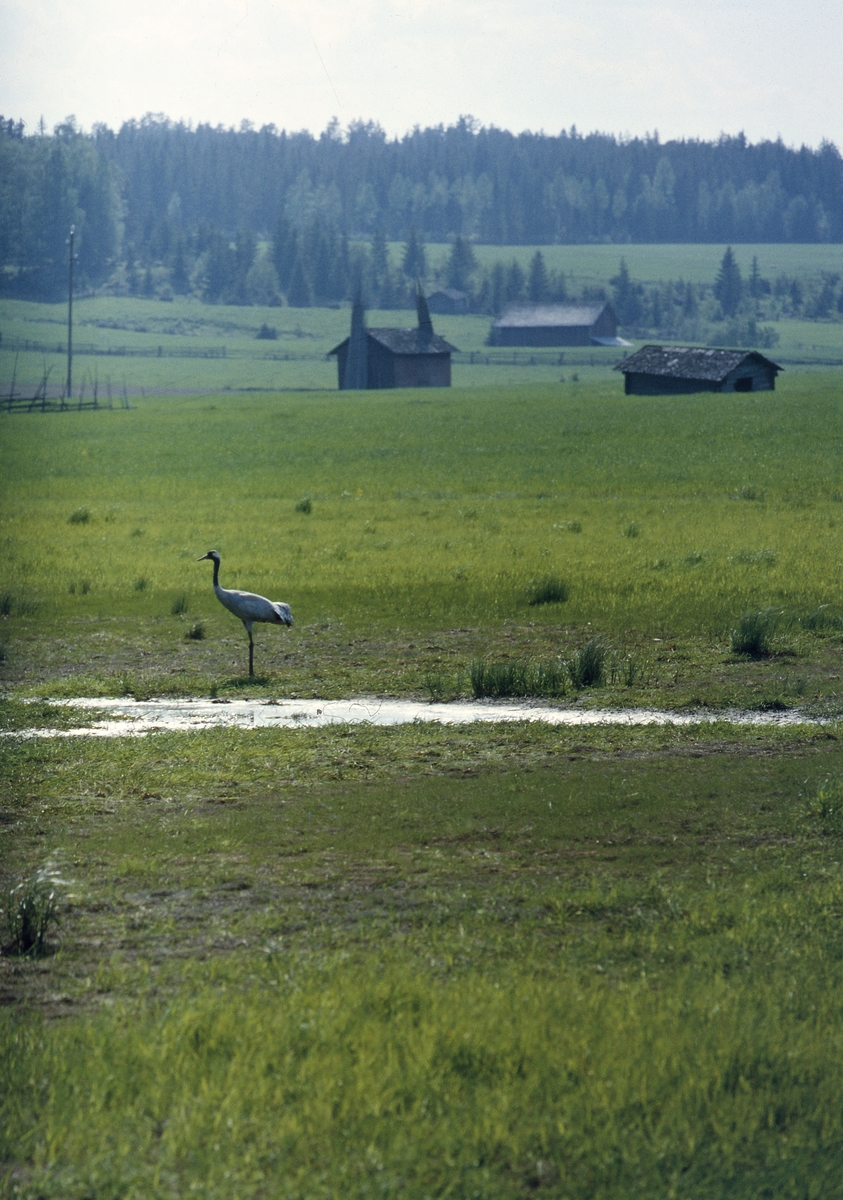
(530, 316)
(406, 341)
(690, 362)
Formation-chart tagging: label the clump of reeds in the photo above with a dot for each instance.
(79, 516)
(31, 909)
(196, 632)
(517, 677)
(305, 505)
(179, 605)
(588, 664)
(550, 590)
(752, 634)
(826, 807)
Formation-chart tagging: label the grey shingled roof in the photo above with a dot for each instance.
(531, 316)
(689, 362)
(406, 341)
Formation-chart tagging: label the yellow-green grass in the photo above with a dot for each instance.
(428, 962)
(665, 517)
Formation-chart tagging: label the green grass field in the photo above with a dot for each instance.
(426, 961)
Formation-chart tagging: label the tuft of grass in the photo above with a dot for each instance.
(7, 604)
(196, 632)
(588, 664)
(79, 516)
(750, 493)
(550, 590)
(304, 505)
(141, 583)
(31, 909)
(569, 526)
(826, 807)
(633, 530)
(753, 633)
(820, 619)
(179, 605)
(517, 677)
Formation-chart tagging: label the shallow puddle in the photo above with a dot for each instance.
(136, 718)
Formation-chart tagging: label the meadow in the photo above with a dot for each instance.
(426, 961)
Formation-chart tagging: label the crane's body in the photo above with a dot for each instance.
(248, 606)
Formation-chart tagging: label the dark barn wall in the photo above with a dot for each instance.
(423, 370)
(754, 376)
(638, 384)
(606, 325)
(543, 335)
(381, 366)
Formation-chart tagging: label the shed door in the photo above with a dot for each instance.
(743, 384)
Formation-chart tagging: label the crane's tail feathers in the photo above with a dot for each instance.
(283, 614)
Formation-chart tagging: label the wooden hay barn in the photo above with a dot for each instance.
(393, 358)
(556, 325)
(676, 370)
(449, 301)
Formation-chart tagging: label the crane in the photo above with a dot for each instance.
(247, 606)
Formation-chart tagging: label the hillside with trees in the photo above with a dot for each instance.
(159, 204)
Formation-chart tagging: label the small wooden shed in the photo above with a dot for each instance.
(449, 301)
(556, 325)
(674, 370)
(392, 358)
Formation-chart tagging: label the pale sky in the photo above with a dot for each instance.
(687, 68)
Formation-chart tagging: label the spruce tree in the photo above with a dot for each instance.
(515, 281)
(728, 287)
(626, 296)
(538, 285)
(178, 279)
(414, 262)
(299, 293)
(462, 264)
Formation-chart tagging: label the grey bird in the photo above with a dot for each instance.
(248, 606)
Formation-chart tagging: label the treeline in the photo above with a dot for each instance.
(158, 195)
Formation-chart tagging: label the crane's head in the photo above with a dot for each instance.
(212, 554)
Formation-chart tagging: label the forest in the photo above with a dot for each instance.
(165, 204)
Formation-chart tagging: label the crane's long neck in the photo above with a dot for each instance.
(216, 572)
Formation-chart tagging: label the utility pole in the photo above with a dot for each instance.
(70, 315)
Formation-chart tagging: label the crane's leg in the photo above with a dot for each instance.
(251, 654)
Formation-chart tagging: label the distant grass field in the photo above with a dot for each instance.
(595, 265)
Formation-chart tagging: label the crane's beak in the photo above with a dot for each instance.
(202, 559)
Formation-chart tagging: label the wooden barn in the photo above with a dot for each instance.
(393, 358)
(674, 370)
(448, 301)
(556, 325)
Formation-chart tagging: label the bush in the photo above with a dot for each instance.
(588, 664)
(752, 636)
(267, 333)
(550, 590)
